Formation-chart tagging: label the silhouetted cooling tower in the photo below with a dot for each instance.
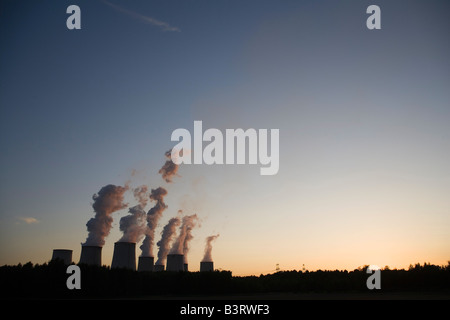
(185, 267)
(145, 264)
(124, 255)
(158, 267)
(206, 266)
(62, 254)
(175, 262)
(91, 255)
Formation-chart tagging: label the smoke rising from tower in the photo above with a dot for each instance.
(141, 195)
(108, 200)
(167, 235)
(181, 244)
(133, 225)
(153, 216)
(208, 248)
(169, 169)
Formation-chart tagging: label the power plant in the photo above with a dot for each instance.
(91, 255)
(124, 255)
(175, 262)
(145, 264)
(139, 224)
(206, 266)
(64, 255)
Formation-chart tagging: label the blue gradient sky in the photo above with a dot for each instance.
(364, 119)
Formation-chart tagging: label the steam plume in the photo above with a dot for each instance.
(141, 195)
(133, 225)
(108, 200)
(153, 216)
(169, 169)
(181, 244)
(166, 237)
(208, 248)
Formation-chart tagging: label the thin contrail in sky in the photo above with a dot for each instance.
(161, 24)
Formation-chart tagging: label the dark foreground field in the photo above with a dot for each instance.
(309, 296)
(48, 281)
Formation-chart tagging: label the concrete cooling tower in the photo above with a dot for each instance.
(145, 264)
(91, 255)
(158, 267)
(175, 262)
(206, 266)
(64, 255)
(124, 255)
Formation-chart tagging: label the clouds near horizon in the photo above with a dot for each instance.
(29, 220)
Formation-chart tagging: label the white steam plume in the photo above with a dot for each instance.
(208, 248)
(181, 244)
(153, 216)
(133, 225)
(167, 235)
(108, 200)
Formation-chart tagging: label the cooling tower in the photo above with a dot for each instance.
(91, 255)
(175, 262)
(124, 255)
(206, 266)
(185, 267)
(145, 264)
(158, 267)
(62, 254)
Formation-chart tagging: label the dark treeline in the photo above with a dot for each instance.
(49, 281)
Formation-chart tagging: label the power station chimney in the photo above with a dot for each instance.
(206, 266)
(124, 255)
(91, 255)
(158, 267)
(64, 255)
(175, 262)
(145, 264)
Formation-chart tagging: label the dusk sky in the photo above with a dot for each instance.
(364, 120)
